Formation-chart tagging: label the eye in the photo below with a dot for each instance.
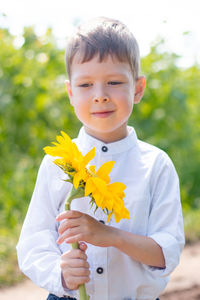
(114, 82)
(84, 85)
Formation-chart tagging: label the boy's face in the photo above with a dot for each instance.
(103, 94)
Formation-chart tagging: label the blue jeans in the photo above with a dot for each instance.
(53, 297)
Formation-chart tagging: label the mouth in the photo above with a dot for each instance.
(103, 114)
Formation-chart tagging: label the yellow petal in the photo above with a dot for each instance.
(51, 151)
(60, 140)
(56, 144)
(109, 216)
(117, 217)
(89, 187)
(46, 149)
(104, 170)
(98, 199)
(66, 137)
(89, 156)
(99, 184)
(118, 187)
(126, 213)
(108, 202)
(76, 180)
(76, 153)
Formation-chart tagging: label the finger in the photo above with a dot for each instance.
(69, 214)
(82, 246)
(74, 253)
(78, 263)
(74, 239)
(78, 280)
(71, 232)
(76, 272)
(69, 223)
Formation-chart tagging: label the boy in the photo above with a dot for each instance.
(131, 259)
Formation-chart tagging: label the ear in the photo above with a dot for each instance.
(69, 90)
(139, 89)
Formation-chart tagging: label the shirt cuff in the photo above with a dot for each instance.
(171, 251)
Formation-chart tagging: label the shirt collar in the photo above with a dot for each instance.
(86, 142)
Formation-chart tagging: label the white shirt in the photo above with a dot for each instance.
(152, 198)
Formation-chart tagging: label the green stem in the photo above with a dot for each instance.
(77, 193)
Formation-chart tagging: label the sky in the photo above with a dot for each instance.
(177, 21)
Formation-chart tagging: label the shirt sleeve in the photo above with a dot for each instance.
(37, 251)
(165, 220)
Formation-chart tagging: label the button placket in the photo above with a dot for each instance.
(101, 274)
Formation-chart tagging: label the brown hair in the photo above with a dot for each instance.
(104, 36)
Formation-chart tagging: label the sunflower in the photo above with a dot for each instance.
(105, 195)
(86, 181)
(70, 160)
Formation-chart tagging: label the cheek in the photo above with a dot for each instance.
(124, 93)
(81, 108)
(126, 109)
(125, 100)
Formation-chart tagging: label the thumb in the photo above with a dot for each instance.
(82, 246)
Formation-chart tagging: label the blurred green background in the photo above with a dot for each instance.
(34, 107)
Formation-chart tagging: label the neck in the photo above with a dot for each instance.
(107, 137)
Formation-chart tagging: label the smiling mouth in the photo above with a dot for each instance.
(102, 114)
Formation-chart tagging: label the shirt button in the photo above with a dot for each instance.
(99, 270)
(104, 149)
(102, 221)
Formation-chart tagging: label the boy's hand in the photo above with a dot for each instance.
(75, 268)
(77, 226)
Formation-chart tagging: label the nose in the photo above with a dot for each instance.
(100, 95)
(101, 99)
